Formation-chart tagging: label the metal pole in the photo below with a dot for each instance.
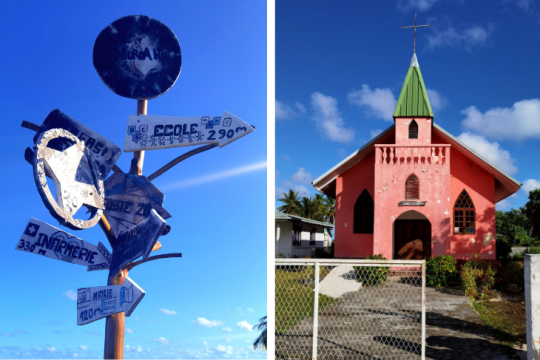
(114, 325)
(316, 311)
(424, 310)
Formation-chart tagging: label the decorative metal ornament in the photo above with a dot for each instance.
(138, 57)
(75, 175)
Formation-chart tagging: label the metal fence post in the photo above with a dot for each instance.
(423, 310)
(316, 311)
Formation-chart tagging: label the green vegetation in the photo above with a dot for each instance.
(519, 227)
(295, 296)
(372, 276)
(505, 319)
(478, 277)
(318, 207)
(440, 270)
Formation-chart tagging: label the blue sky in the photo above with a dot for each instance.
(340, 67)
(200, 306)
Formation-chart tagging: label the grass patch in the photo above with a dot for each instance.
(295, 295)
(506, 321)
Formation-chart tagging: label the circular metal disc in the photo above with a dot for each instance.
(137, 57)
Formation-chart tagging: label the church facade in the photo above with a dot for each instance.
(415, 190)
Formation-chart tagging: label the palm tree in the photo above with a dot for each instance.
(330, 209)
(260, 342)
(292, 204)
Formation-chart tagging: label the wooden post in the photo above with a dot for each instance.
(114, 326)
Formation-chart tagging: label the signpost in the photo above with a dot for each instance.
(129, 199)
(149, 132)
(75, 176)
(139, 58)
(137, 242)
(41, 238)
(95, 303)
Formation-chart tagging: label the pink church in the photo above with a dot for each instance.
(415, 191)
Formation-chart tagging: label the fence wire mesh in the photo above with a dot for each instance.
(366, 309)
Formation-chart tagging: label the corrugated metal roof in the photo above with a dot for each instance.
(413, 100)
(283, 217)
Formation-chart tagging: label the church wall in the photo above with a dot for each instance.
(349, 186)
(480, 185)
(424, 131)
(390, 190)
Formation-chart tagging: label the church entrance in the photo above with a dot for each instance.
(412, 237)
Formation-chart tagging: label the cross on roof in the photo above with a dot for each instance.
(415, 26)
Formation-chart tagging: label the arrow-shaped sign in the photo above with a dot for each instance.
(43, 239)
(137, 241)
(95, 303)
(150, 132)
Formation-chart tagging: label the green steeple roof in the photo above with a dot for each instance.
(413, 100)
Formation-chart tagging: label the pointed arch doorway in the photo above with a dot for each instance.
(412, 236)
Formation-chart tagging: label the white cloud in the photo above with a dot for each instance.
(490, 150)
(244, 325)
(285, 112)
(161, 340)
(302, 190)
(375, 132)
(250, 310)
(507, 203)
(378, 103)
(224, 349)
(208, 323)
(285, 157)
(168, 312)
(436, 99)
(83, 347)
(328, 121)
(519, 122)
(228, 340)
(529, 185)
(205, 343)
(129, 331)
(462, 36)
(216, 176)
(301, 176)
(70, 294)
(522, 4)
(226, 329)
(6, 334)
(419, 5)
(51, 349)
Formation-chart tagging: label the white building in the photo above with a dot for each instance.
(298, 236)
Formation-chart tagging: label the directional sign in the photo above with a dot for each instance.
(95, 303)
(41, 238)
(129, 199)
(75, 176)
(137, 57)
(103, 152)
(138, 241)
(150, 132)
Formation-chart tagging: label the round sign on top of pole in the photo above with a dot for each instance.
(137, 57)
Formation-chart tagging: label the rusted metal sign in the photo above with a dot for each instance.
(95, 303)
(149, 132)
(103, 152)
(129, 200)
(75, 176)
(137, 57)
(138, 241)
(41, 238)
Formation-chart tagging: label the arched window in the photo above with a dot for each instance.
(413, 130)
(412, 188)
(464, 214)
(364, 210)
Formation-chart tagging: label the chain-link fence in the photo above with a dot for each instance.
(366, 309)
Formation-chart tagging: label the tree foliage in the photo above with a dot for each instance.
(521, 227)
(319, 207)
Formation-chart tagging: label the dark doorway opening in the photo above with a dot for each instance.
(412, 239)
